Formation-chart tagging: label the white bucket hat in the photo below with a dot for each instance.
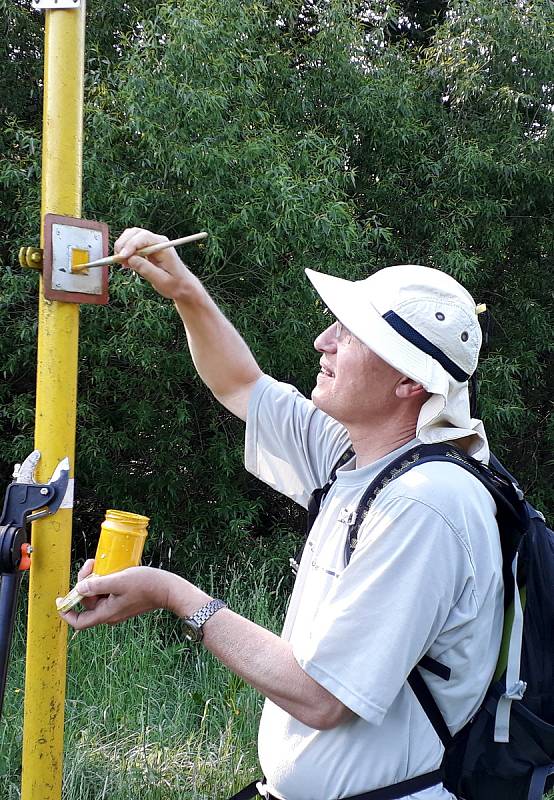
(424, 324)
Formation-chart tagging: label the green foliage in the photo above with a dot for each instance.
(345, 137)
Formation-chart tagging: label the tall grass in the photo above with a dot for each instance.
(148, 716)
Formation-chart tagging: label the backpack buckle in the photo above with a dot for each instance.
(262, 789)
(516, 691)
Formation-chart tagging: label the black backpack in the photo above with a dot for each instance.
(506, 751)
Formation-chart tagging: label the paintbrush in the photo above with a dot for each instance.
(146, 251)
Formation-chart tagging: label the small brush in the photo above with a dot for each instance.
(146, 251)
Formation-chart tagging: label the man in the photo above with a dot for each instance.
(425, 577)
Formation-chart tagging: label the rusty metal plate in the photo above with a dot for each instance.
(67, 243)
(44, 4)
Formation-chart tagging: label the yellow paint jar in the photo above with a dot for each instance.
(122, 537)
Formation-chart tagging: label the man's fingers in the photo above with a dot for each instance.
(146, 268)
(158, 276)
(127, 234)
(98, 585)
(86, 569)
(163, 270)
(137, 241)
(90, 602)
(87, 619)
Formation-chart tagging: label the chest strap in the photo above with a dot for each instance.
(394, 792)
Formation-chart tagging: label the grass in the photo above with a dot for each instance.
(147, 715)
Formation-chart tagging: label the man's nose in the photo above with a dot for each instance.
(326, 341)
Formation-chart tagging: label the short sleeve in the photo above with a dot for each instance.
(388, 605)
(290, 444)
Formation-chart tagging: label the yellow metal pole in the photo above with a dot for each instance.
(55, 414)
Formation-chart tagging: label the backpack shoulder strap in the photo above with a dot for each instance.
(417, 455)
(318, 495)
(399, 466)
(314, 505)
(428, 703)
(506, 493)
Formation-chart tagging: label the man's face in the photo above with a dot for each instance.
(355, 386)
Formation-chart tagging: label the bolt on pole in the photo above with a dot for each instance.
(56, 402)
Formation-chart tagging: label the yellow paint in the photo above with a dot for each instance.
(120, 546)
(79, 260)
(55, 415)
(121, 542)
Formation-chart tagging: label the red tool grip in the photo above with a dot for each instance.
(25, 562)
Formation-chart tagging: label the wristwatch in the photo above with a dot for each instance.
(192, 626)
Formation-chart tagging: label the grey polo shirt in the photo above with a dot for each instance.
(424, 578)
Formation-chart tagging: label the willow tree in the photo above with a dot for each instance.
(317, 134)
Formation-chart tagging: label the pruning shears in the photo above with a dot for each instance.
(25, 501)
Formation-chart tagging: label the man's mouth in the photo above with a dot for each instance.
(327, 372)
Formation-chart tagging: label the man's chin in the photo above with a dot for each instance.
(315, 397)
(319, 400)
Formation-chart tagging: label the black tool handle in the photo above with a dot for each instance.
(22, 498)
(9, 590)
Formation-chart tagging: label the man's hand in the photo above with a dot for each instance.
(163, 270)
(114, 598)
(260, 657)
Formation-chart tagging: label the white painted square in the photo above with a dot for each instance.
(64, 239)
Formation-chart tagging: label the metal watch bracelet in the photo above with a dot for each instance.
(192, 626)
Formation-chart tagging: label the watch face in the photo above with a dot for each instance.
(192, 632)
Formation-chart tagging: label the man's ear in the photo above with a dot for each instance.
(406, 388)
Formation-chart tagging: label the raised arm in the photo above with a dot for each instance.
(221, 356)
